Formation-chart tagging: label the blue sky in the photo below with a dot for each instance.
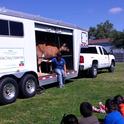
(83, 13)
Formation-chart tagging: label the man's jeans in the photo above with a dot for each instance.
(61, 76)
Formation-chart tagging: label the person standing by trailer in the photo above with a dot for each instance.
(59, 66)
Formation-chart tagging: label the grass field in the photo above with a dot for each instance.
(49, 107)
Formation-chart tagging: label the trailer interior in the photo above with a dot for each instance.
(48, 44)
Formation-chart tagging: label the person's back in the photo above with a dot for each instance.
(88, 120)
(113, 115)
(87, 116)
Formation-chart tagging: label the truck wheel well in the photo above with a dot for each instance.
(95, 62)
(113, 61)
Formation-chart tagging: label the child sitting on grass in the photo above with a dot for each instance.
(113, 115)
(69, 119)
(119, 100)
(87, 114)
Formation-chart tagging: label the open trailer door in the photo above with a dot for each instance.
(49, 41)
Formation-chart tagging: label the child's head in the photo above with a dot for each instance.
(86, 109)
(110, 105)
(69, 119)
(118, 99)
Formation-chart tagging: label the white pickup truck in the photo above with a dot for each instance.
(95, 57)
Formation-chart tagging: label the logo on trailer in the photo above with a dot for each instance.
(21, 63)
(84, 39)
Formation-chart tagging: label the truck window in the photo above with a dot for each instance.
(91, 50)
(100, 51)
(105, 52)
(16, 29)
(4, 27)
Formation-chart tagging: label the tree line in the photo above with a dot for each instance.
(106, 30)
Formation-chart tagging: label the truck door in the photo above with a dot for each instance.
(106, 58)
(101, 58)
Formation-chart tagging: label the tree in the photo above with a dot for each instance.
(106, 30)
(102, 30)
(92, 33)
(118, 39)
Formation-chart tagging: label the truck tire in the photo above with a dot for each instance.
(28, 86)
(93, 71)
(8, 90)
(112, 67)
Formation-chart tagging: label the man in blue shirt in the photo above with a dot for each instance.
(59, 65)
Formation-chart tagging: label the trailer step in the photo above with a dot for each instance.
(52, 78)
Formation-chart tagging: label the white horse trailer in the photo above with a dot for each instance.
(26, 43)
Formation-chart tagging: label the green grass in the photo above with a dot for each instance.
(49, 107)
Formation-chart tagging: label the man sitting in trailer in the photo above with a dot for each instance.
(59, 66)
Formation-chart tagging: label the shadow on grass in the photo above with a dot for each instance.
(85, 74)
(42, 89)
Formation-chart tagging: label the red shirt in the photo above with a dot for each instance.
(121, 107)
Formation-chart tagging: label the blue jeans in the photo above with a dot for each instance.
(61, 76)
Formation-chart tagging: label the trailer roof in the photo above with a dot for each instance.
(14, 13)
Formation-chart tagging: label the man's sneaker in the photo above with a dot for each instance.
(61, 86)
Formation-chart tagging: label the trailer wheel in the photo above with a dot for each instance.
(93, 71)
(28, 85)
(8, 90)
(112, 67)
